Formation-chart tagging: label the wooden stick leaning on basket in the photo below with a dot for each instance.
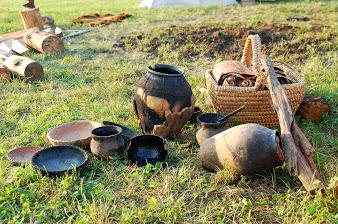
(297, 148)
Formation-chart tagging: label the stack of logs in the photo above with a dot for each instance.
(13, 64)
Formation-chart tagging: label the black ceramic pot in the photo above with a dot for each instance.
(161, 90)
(144, 149)
(210, 124)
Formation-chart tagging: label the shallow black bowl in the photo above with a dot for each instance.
(212, 119)
(144, 149)
(59, 159)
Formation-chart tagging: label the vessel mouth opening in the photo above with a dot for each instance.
(211, 118)
(106, 131)
(168, 70)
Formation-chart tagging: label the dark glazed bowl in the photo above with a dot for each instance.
(212, 119)
(59, 159)
(146, 149)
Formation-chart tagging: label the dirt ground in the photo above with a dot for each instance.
(215, 40)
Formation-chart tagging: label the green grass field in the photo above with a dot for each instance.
(95, 79)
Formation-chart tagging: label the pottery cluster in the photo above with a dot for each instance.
(163, 104)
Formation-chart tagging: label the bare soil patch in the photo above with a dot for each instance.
(212, 40)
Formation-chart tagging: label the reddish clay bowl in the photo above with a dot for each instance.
(73, 133)
(22, 154)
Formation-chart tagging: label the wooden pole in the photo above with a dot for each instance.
(44, 42)
(23, 67)
(298, 150)
(31, 17)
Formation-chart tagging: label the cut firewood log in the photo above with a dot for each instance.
(23, 67)
(31, 17)
(298, 150)
(18, 47)
(5, 52)
(313, 108)
(44, 42)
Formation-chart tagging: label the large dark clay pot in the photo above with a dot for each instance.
(246, 149)
(161, 91)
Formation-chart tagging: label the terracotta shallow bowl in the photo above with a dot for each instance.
(22, 154)
(73, 133)
(59, 159)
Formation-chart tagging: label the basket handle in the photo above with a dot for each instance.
(252, 56)
(252, 52)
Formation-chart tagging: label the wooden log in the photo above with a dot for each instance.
(23, 67)
(298, 150)
(18, 47)
(16, 35)
(44, 42)
(31, 17)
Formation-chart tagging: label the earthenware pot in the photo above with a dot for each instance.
(161, 91)
(127, 133)
(106, 141)
(211, 124)
(246, 149)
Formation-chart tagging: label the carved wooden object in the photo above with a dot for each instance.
(298, 150)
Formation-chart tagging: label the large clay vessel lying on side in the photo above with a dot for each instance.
(246, 149)
(164, 101)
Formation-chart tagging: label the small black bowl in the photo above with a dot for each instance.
(212, 119)
(144, 149)
(59, 159)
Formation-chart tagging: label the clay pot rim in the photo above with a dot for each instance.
(117, 128)
(211, 123)
(152, 71)
(144, 135)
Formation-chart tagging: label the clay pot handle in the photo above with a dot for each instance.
(234, 112)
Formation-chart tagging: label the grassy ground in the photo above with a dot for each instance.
(94, 79)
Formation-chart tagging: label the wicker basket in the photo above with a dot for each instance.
(258, 102)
